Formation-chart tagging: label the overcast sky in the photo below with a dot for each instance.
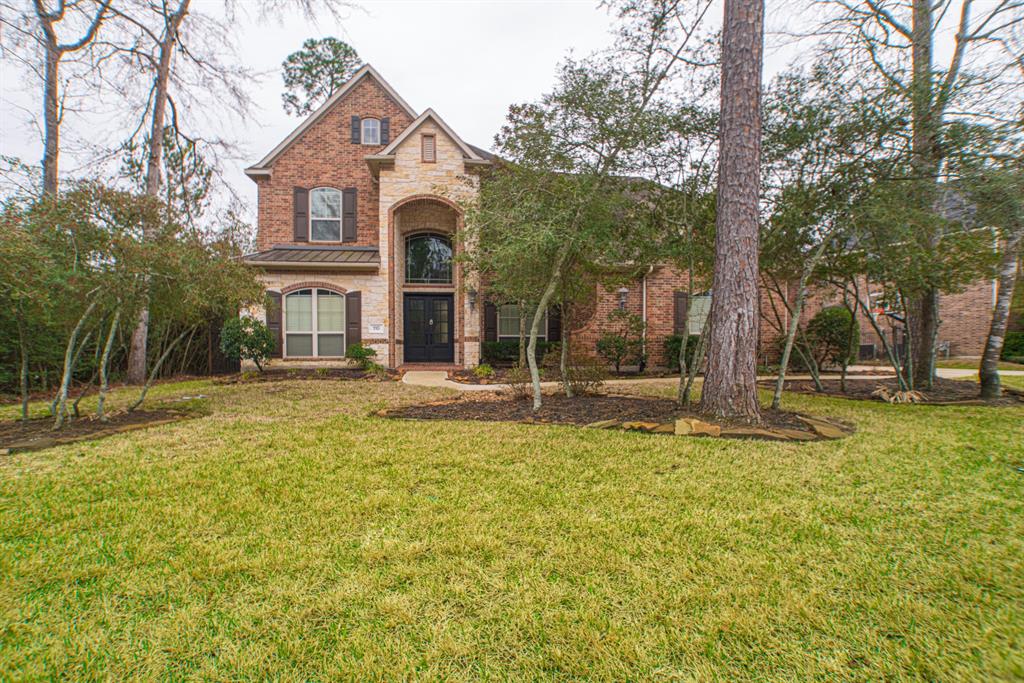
(469, 60)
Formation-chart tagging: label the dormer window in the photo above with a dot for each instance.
(371, 131)
(325, 215)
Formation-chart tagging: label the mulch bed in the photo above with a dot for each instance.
(285, 374)
(610, 411)
(943, 391)
(37, 434)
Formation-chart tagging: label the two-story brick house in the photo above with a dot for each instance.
(358, 209)
(357, 215)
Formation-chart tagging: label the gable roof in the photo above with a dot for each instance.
(263, 166)
(471, 154)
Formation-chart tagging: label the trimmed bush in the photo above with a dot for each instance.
(363, 355)
(246, 339)
(483, 371)
(828, 334)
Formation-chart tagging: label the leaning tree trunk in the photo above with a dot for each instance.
(563, 360)
(730, 384)
(538, 316)
(105, 366)
(696, 361)
(988, 373)
(137, 354)
(794, 324)
(156, 370)
(23, 352)
(61, 406)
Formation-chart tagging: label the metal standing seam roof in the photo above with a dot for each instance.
(353, 256)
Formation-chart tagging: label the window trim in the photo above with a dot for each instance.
(362, 131)
(451, 265)
(341, 214)
(423, 148)
(543, 334)
(315, 332)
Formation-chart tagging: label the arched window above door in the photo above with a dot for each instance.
(428, 259)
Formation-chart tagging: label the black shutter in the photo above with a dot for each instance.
(490, 322)
(348, 215)
(555, 324)
(273, 319)
(357, 132)
(300, 215)
(681, 310)
(385, 130)
(353, 319)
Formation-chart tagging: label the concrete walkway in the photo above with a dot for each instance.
(439, 378)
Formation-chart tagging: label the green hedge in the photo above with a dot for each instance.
(1013, 346)
(672, 344)
(507, 351)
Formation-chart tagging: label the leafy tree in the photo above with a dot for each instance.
(314, 72)
(246, 338)
(562, 206)
(889, 51)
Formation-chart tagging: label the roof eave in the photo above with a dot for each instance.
(314, 265)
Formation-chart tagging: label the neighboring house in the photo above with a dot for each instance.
(358, 209)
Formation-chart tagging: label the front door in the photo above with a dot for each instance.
(429, 328)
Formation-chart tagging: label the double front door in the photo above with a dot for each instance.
(429, 328)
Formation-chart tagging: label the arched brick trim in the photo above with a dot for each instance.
(425, 197)
(313, 284)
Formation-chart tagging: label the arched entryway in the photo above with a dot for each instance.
(427, 307)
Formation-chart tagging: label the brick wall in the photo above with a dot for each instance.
(324, 156)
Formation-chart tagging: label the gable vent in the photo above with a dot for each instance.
(429, 148)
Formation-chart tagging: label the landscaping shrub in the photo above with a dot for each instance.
(483, 371)
(246, 339)
(672, 344)
(363, 355)
(586, 375)
(551, 363)
(376, 370)
(625, 345)
(1013, 347)
(828, 334)
(507, 351)
(518, 379)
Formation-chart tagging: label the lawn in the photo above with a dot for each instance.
(290, 535)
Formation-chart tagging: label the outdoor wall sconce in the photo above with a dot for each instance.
(623, 291)
(471, 297)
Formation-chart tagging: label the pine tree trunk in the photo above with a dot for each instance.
(923, 309)
(730, 384)
(988, 372)
(51, 115)
(137, 353)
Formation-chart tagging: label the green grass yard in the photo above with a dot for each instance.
(289, 535)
